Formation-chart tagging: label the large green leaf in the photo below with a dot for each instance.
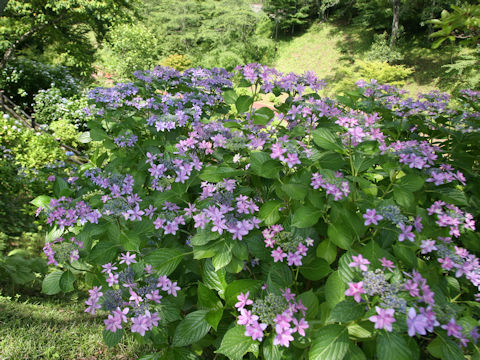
(165, 261)
(235, 344)
(306, 216)
(51, 283)
(326, 139)
(269, 212)
(223, 257)
(334, 289)
(262, 116)
(66, 281)
(112, 338)
(346, 311)
(340, 236)
(214, 280)
(218, 173)
(410, 183)
(243, 103)
(191, 329)
(391, 346)
(316, 269)
(330, 343)
(263, 165)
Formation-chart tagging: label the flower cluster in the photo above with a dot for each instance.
(360, 127)
(339, 188)
(289, 246)
(127, 139)
(132, 296)
(219, 206)
(61, 251)
(64, 212)
(452, 217)
(281, 313)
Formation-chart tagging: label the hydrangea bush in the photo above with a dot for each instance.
(321, 229)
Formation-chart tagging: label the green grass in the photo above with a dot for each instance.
(326, 46)
(53, 329)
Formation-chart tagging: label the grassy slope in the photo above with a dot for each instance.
(49, 329)
(325, 46)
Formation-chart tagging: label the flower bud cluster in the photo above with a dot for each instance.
(338, 189)
(278, 314)
(289, 246)
(132, 296)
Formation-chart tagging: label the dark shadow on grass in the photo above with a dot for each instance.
(356, 40)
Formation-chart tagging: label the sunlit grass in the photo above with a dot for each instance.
(54, 329)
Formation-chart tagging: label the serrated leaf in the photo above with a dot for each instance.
(346, 311)
(334, 289)
(66, 281)
(203, 237)
(263, 165)
(191, 329)
(216, 174)
(243, 103)
(391, 346)
(262, 116)
(410, 183)
(230, 96)
(51, 283)
(316, 269)
(235, 344)
(41, 201)
(279, 277)
(339, 236)
(112, 338)
(223, 257)
(306, 216)
(327, 250)
(310, 300)
(325, 139)
(330, 343)
(295, 191)
(214, 280)
(269, 212)
(165, 261)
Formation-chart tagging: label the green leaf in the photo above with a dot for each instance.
(51, 283)
(165, 261)
(295, 191)
(316, 269)
(334, 289)
(391, 346)
(269, 212)
(130, 241)
(279, 277)
(355, 353)
(410, 183)
(240, 286)
(453, 196)
(112, 338)
(327, 250)
(84, 137)
(305, 216)
(207, 300)
(223, 257)
(103, 252)
(340, 236)
(243, 103)
(66, 281)
(346, 311)
(310, 300)
(235, 344)
(191, 329)
(330, 343)
(263, 165)
(270, 351)
(230, 96)
(450, 350)
(41, 201)
(262, 116)
(203, 237)
(325, 139)
(214, 280)
(218, 173)
(403, 198)
(405, 253)
(60, 187)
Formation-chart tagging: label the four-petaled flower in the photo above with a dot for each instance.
(371, 217)
(384, 319)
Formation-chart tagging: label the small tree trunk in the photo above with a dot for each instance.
(395, 22)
